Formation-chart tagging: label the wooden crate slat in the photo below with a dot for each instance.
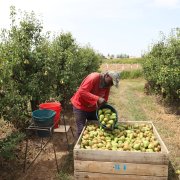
(163, 146)
(103, 176)
(121, 156)
(121, 168)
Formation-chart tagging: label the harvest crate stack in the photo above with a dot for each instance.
(121, 164)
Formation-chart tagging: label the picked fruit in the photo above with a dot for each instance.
(125, 137)
(107, 117)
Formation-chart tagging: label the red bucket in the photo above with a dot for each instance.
(55, 106)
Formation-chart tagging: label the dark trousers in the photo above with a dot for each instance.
(81, 117)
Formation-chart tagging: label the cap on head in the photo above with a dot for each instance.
(115, 77)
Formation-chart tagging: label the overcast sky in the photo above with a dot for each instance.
(109, 26)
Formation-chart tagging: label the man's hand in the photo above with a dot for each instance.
(101, 101)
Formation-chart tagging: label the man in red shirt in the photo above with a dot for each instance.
(92, 93)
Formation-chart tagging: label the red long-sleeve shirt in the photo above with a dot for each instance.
(89, 92)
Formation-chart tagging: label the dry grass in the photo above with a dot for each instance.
(6, 128)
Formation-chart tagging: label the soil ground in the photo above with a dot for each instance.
(44, 167)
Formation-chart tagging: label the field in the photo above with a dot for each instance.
(124, 61)
(132, 105)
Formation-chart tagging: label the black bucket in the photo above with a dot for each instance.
(108, 106)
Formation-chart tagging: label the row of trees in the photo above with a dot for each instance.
(119, 56)
(35, 67)
(162, 66)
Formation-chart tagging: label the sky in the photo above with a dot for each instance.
(108, 26)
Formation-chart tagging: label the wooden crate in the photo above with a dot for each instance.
(124, 165)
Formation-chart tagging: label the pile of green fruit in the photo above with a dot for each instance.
(125, 137)
(107, 117)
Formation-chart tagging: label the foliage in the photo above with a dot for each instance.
(162, 66)
(71, 64)
(34, 68)
(122, 56)
(22, 50)
(67, 167)
(124, 61)
(63, 176)
(132, 74)
(8, 145)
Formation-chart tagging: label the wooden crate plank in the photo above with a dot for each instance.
(121, 168)
(121, 156)
(61, 129)
(163, 146)
(100, 176)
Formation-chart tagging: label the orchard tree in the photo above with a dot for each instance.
(73, 63)
(162, 66)
(24, 51)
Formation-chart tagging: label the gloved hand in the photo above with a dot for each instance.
(101, 101)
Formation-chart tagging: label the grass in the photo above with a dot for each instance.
(133, 74)
(124, 61)
(128, 102)
(67, 167)
(63, 176)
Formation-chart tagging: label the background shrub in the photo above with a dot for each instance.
(161, 66)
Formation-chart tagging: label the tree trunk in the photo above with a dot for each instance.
(34, 105)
